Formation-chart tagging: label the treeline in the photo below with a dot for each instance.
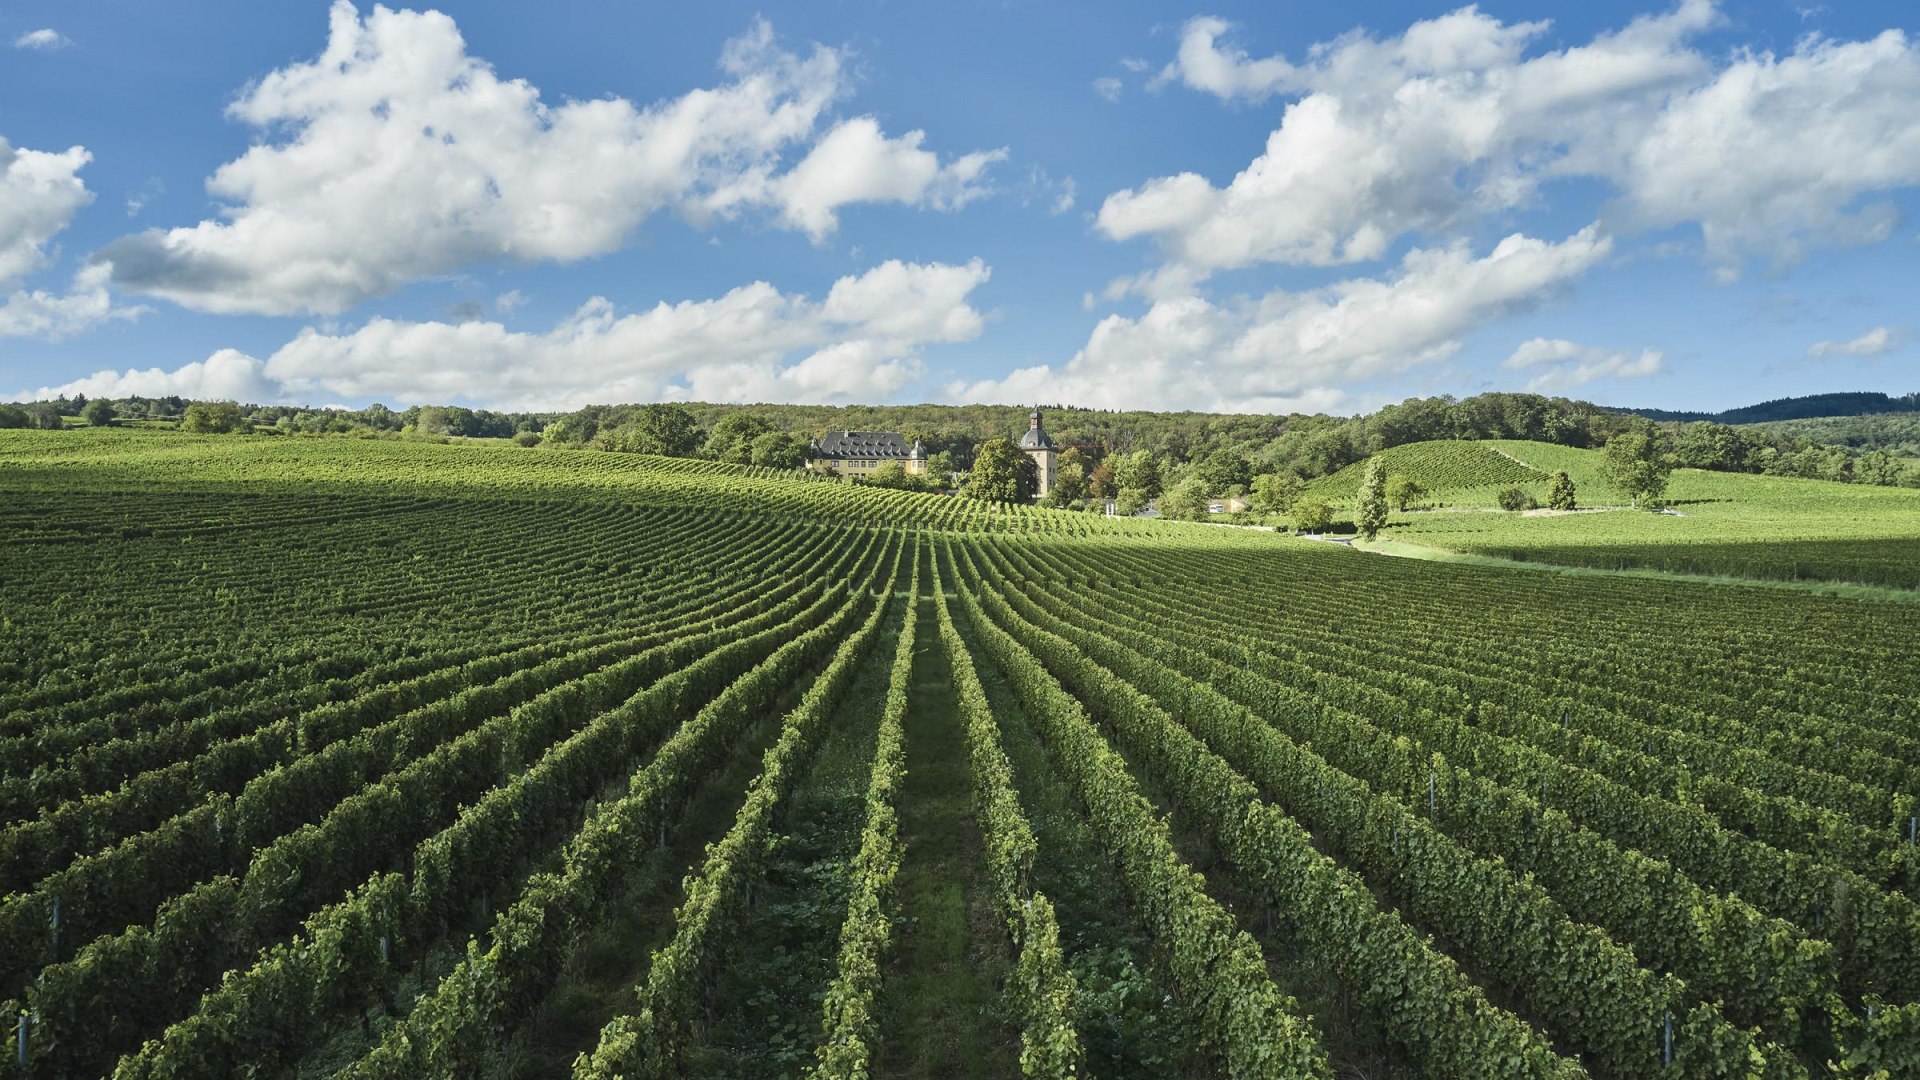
(1810, 406)
(1895, 432)
(426, 421)
(1225, 453)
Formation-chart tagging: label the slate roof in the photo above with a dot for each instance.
(1036, 436)
(867, 444)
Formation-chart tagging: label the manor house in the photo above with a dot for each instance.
(858, 453)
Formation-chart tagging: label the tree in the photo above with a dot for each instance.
(13, 416)
(1001, 473)
(1186, 500)
(1371, 513)
(1879, 467)
(214, 418)
(1404, 491)
(1274, 493)
(527, 438)
(98, 413)
(1069, 479)
(1223, 469)
(1311, 514)
(778, 450)
(1129, 501)
(666, 430)
(1636, 465)
(732, 437)
(1560, 496)
(1138, 470)
(940, 467)
(1100, 481)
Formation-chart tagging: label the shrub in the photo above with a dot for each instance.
(1514, 498)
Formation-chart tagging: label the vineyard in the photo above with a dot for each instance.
(1451, 468)
(380, 759)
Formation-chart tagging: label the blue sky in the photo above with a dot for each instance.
(1229, 207)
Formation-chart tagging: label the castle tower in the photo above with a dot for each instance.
(1039, 447)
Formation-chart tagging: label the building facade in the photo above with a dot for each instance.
(859, 453)
(1046, 460)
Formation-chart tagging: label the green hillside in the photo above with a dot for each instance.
(1443, 467)
(1722, 523)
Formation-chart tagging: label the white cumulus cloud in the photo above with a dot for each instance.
(1460, 117)
(226, 374)
(860, 343)
(1878, 340)
(40, 192)
(1561, 364)
(42, 40)
(857, 163)
(395, 155)
(1299, 350)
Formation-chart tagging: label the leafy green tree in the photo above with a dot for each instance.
(1878, 467)
(527, 438)
(1636, 465)
(214, 418)
(1370, 515)
(665, 430)
(1001, 473)
(1069, 479)
(731, 438)
(1274, 493)
(1404, 491)
(1139, 470)
(1560, 496)
(940, 467)
(1100, 481)
(13, 416)
(1223, 469)
(778, 450)
(1129, 501)
(1185, 500)
(431, 423)
(98, 413)
(1311, 514)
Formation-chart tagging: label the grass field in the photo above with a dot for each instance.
(1728, 524)
(379, 759)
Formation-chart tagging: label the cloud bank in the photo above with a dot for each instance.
(861, 342)
(1453, 121)
(395, 156)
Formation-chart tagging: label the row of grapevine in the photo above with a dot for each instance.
(1588, 990)
(1246, 1020)
(648, 1042)
(866, 933)
(377, 825)
(128, 882)
(267, 1013)
(1427, 1005)
(456, 1025)
(1044, 991)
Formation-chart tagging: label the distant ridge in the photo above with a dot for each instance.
(1864, 403)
